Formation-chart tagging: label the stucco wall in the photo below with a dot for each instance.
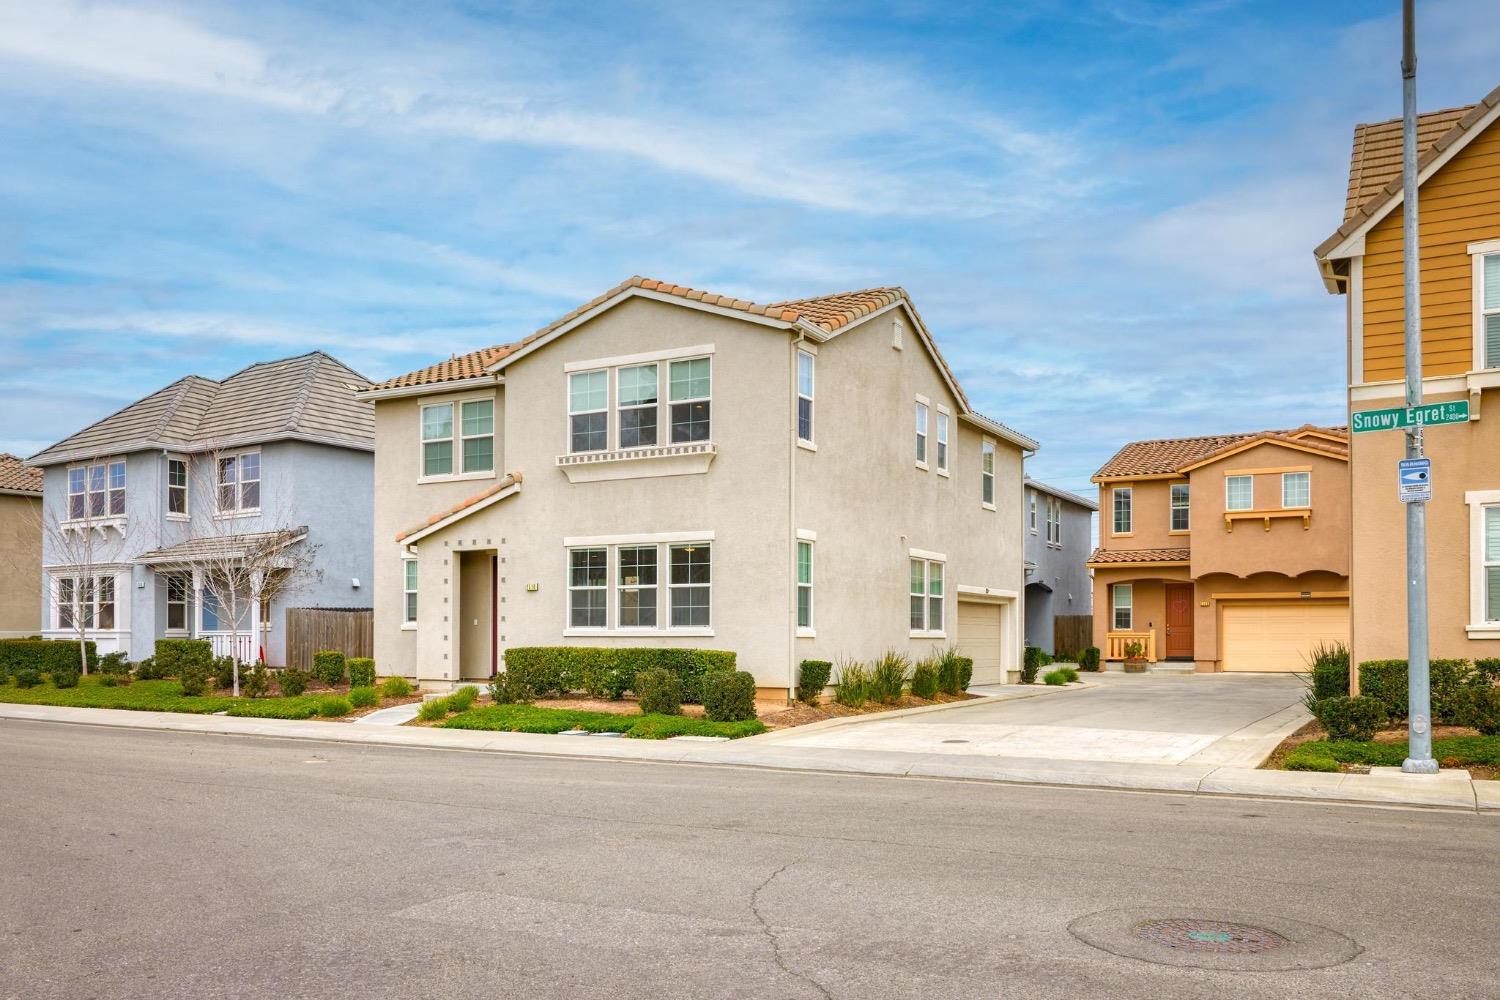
(20, 564)
(1151, 521)
(1063, 570)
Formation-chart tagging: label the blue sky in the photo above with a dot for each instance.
(1105, 209)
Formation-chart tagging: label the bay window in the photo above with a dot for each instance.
(96, 490)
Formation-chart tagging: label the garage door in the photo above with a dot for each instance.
(1279, 637)
(979, 639)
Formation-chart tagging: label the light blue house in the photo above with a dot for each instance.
(1059, 537)
(151, 514)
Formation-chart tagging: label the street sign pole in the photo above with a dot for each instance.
(1419, 759)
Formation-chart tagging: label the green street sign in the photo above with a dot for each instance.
(1395, 418)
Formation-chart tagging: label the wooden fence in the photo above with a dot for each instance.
(1072, 633)
(349, 630)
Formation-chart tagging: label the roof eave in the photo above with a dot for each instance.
(430, 388)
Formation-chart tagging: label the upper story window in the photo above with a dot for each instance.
(477, 431)
(458, 438)
(588, 411)
(177, 487)
(927, 595)
(1181, 507)
(1239, 492)
(921, 434)
(96, 490)
(942, 441)
(1487, 321)
(987, 478)
(1123, 510)
(638, 396)
(690, 396)
(1296, 489)
(239, 483)
(806, 364)
(1031, 515)
(1054, 521)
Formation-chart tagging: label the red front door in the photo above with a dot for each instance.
(1179, 621)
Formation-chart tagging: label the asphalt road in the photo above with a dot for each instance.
(173, 865)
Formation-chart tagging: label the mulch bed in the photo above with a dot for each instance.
(801, 715)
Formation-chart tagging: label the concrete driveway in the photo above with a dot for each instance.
(1220, 719)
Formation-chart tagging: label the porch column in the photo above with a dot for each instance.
(257, 581)
(197, 611)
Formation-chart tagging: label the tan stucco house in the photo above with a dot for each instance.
(1459, 206)
(20, 547)
(669, 467)
(1227, 552)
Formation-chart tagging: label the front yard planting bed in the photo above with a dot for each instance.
(802, 714)
(167, 696)
(539, 719)
(1453, 746)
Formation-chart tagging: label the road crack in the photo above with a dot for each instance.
(775, 940)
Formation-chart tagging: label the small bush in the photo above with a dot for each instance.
(27, 677)
(949, 672)
(1328, 672)
(148, 670)
(1054, 679)
(256, 682)
(1089, 659)
(108, 680)
(361, 671)
(854, 685)
(1032, 661)
(292, 681)
(1448, 679)
(659, 691)
(328, 667)
(729, 696)
(1345, 718)
(463, 699)
(924, 680)
(65, 676)
(812, 678)
(965, 672)
(223, 671)
(175, 655)
(1480, 707)
(1385, 681)
(194, 677)
(509, 689)
(433, 709)
(363, 697)
(332, 706)
(396, 687)
(1068, 674)
(115, 664)
(888, 677)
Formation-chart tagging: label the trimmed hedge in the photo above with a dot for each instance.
(42, 655)
(292, 681)
(812, 678)
(361, 672)
(537, 719)
(172, 655)
(608, 671)
(1089, 659)
(1386, 682)
(660, 692)
(328, 666)
(1345, 718)
(729, 696)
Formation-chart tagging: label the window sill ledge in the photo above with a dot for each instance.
(576, 633)
(230, 515)
(179, 517)
(990, 506)
(1490, 630)
(463, 477)
(408, 626)
(807, 633)
(916, 634)
(692, 458)
(806, 445)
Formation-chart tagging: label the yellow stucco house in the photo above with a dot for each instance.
(1459, 205)
(20, 547)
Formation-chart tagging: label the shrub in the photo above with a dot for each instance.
(361, 672)
(888, 676)
(463, 699)
(328, 666)
(949, 672)
(924, 680)
(332, 706)
(1487, 671)
(65, 676)
(1089, 659)
(194, 677)
(1479, 707)
(1068, 674)
(965, 672)
(256, 682)
(42, 655)
(1328, 673)
(27, 677)
(109, 680)
(1031, 661)
(812, 678)
(1054, 679)
(363, 697)
(1448, 679)
(608, 672)
(223, 671)
(1385, 681)
(660, 691)
(729, 696)
(854, 685)
(396, 687)
(292, 681)
(1345, 718)
(148, 670)
(115, 664)
(433, 709)
(508, 689)
(173, 655)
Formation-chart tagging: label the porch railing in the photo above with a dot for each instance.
(240, 645)
(1115, 643)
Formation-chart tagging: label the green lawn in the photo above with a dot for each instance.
(1453, 751)
(158, 696)
(534, 719)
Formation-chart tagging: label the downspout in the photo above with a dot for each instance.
(791, 526)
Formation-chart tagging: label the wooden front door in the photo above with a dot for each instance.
(1179, 621)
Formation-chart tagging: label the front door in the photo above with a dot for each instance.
(1179, 621)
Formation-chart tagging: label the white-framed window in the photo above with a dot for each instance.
(408, 591)
(690, 399)
(1239, 492)
(239, 483)
(177, 487)
(1490, 561)
(1122, 606)
(1487, 309)
(804, 584)
(477, 432)
(1031, 510)
(1484, 563)
(926, 595)
(1296, 489)
(921, 412)
(1181, 507)
(588, 588)
(437, 439)
(588, 411)
(96, 490)
(806, 384)
(942, 441)
(177, 603)
(987, 476)
(84, 601)
(690, 585)
(637, 593)
(637, 395)
(458, 438)
(1054, 521)
(1122, 510)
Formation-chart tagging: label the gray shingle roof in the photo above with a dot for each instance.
(308, 397)
(212, 547)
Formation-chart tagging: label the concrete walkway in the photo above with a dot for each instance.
(1452, 790)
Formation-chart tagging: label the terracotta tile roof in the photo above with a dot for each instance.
(833, 311)
(18, 477)
(505, 483)
(1375, 163)
(1168, 455)
(1119, 556)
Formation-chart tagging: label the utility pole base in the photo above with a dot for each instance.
(1413, 766)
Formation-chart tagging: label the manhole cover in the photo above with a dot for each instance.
(1214, 936)
(1232, 942)
(955, 741)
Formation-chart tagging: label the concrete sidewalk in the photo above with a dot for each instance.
(1452, 790)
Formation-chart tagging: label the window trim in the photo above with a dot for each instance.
(456, 400)
(461, 439)
(1173, 508)
(1114, 511)
(187, 492)
(927, 560)
(1298, 506)
(987, 476)
(617, 408)
(1115, 607)
(808, 630)
(663, 542)
(1054, 522)
(239, 484)
(921, 421)
(1479, 502)
(944, 419)
(105, 490)
(669, 402)
(810, 396)
(94, 604)
(570, 413)
(1229, 507)
(185, 603)
(1031, 511)
(411, 589)
(1478, 253)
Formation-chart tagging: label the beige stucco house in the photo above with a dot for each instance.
(1227, 552)
(669, 467)
(20, 547)
(1459, 206)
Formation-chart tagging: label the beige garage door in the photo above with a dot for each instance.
(1278, 637)
(979, 639)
